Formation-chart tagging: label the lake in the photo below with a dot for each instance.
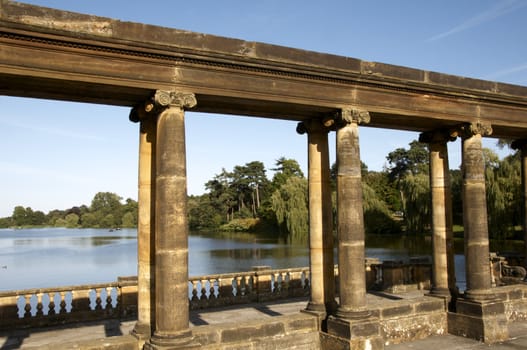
(51, 257)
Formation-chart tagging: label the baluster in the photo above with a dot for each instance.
(219, 294)
(51, 305)
(203, 290)
(109, 305)
(238, 286)
(276, 285)
(285, 282)
(195, 290)
(40, 307)
(243, 286)
(27, 307)
(212, 294)
(62, 303)
(98, 300)
(307, 281)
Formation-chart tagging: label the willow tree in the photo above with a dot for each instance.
(503, 186)
(377, 215)
(290, 205)
(416, 202)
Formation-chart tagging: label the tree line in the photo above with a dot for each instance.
(106, 211)
(395, 200)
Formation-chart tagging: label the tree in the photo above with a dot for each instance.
(290, 204)
(377, 216)
(107, 207)
(503, 190)
(284, 169)
(71, 220)
(128, 220)
(408, 161)
(416, 203)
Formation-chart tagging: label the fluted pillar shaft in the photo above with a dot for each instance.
(350, 224)
(322, 296)
(475, 211)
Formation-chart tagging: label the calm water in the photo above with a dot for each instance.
(50, 257)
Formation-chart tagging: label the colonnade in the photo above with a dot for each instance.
(163, 312)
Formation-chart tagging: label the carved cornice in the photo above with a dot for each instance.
(438, 136)
(161, 100)
(476, 128)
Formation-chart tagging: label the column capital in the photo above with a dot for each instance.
(351, 115)
(438, 136)
(161, 100)
(475, 128)
(313, 126)
(520, 144)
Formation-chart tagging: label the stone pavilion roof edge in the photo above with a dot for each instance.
(236, 51)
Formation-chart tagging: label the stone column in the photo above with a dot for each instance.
(145, 221)
(443, 269)
(475, 211)
(352, 321)
(322, 296)
(171, 238)
(480, 314)
(521, 145)
(350, 216)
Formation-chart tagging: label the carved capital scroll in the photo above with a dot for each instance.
(312, 126)
(352, 115)
(520, 144)
(438, 136)
(183, 100)
(159, 101)
(476, 128)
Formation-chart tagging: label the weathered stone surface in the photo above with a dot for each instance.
(391, 71)
(247, 333)
(430, 306)
(396, 311)
(413, 327)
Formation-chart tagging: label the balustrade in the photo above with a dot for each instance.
(50, 306)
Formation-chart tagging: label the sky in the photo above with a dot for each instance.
(55, 155)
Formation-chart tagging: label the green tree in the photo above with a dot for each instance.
(377, 216)
(284, 169)
(404, 161)
(71, 220)
(107, 207)
(416, 203)
(290, 204)
(503, 190)
(128, 220)
(89, 220)
(21, 216)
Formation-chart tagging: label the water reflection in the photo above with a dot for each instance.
(40, 258)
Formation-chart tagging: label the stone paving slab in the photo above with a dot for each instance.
(52, 338)
(517, 334)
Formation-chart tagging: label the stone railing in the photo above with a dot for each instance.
(52, 306)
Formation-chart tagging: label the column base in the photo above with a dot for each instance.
(482, 320)
(444, 294)
(360, 332)
(180, 341)
(141, 331)
(315, 308)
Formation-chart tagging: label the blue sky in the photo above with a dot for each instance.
(57, 155)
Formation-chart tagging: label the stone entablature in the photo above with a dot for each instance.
(234, 76)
